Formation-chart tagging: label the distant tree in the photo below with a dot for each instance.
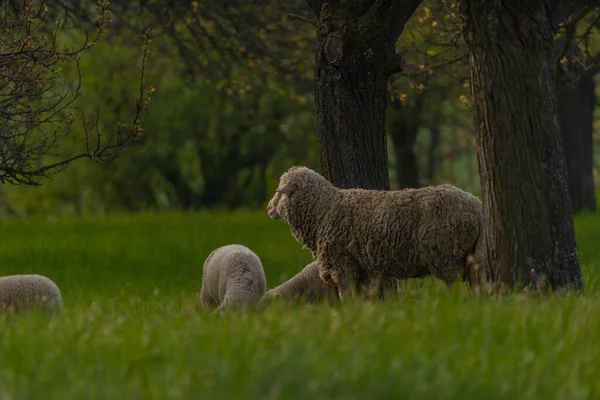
(37, 104)
(528, 231)
(576, 66)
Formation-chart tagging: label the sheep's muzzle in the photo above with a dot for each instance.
(272, 209)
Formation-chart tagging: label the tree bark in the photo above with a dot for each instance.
(355, 56)
(576, 103)
(528, 231)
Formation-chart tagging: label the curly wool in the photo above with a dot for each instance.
(232, 275)
(357, 234)
(23, 292)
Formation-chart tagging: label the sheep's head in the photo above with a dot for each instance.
(300, 200)
(273, 205)
(294, 185)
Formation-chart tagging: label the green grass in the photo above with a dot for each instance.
(130, 329)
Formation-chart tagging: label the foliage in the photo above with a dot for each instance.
(36, 117)
(130, 328)
(201, 148)
(211, 37)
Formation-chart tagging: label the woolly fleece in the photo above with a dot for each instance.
(357, 234)
(232, 275)
(22, 292)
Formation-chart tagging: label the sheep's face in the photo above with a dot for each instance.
(292, 181)
(299, 200)
(272, 206)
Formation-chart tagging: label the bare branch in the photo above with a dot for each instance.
(563, 9)
(35, 115)
(302, 18)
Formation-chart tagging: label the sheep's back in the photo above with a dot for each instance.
(409, 230)
(21, 291)
(237, 265)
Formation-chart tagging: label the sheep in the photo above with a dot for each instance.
(359, 234)
(308, 285)
(232, 275)
(23, 292)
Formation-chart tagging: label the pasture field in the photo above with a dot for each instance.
(130, 328)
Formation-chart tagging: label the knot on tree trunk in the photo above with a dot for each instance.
(333, 48)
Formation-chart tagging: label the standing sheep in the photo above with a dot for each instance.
(358, 234)
(22, 292)
(232, 275)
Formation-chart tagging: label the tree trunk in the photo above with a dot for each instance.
(432, 158)
(354, 59)
(404, 126)
(351, 105)
(576, 103)
(528, 225)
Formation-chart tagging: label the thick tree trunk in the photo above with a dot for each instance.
(354, 59)
(351, 106)
(576, 103)
(528, 225)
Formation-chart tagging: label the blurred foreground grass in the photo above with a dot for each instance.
(130, 329)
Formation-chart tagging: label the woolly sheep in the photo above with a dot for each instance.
(232, 275)
(358, 234)
(21, 292)
(308, 285)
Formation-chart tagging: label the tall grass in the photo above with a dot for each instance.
(130, 328)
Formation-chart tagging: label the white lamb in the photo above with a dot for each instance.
(232, 275)
(22, 292)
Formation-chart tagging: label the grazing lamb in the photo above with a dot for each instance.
(23, 292)
(357, 234)
(308, 285)
(232, 275)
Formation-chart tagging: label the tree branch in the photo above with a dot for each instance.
(302, 18)
(563, 9)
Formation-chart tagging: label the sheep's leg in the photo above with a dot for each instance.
(339, 268)
(449, 278)
(345, 292)
(351, 286)
(332, 293)
(385, 285)
(473, 275)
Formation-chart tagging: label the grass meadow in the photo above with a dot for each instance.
(130, 328)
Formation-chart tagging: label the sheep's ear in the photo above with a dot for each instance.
(285, 189)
